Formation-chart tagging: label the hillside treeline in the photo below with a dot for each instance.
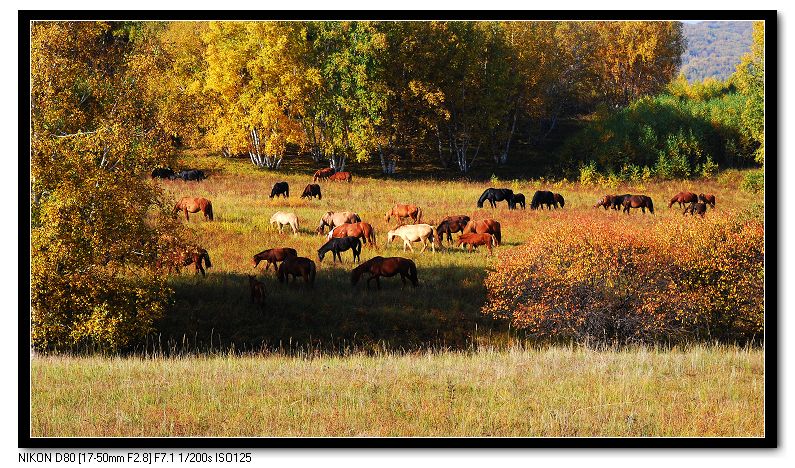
(714, 48)
(457, 92)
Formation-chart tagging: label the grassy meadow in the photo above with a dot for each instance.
(334, 360)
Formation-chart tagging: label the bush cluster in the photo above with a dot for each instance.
(613, 281)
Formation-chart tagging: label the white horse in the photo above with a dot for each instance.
(282, 218)
(414, 233)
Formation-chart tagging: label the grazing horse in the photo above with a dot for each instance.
(312, 190)
(543, 197)
(494, 195)
(280, 188)
(683, 198)
(450, 226)
(341, 177)
(363, 231)
(709, 199)
(163, 173)
(387, 267)
(338, 245)
(474, 240)
(333, 219)
(414, 233)
(297, 266)
(558, 200)
(638, 201)
(184, 256)
(271, 256)
(696, 208)
(489, 226)
(194, 205)
(518, 199)
(323, 174)
(191, 174)
(402, 212)
(618, 201)
(606, 201)
(281, 218)
(257, 291)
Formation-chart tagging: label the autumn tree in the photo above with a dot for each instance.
(95, 217)
(256, 82)
(750, 81)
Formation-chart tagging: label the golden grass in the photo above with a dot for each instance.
(558, 391)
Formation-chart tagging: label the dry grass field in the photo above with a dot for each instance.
(334, 360)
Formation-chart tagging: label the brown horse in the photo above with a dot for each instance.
(297, 266)
(474, 240)
(323, 174)
(387, 267)
(341, 177)
(363, 231)
(488, 226)
(709, 199)
(257, 291)
(696, 208)
(401, 212)
(638, 201)
(606, 201)
(683, 198)
(194, 205)
(179, 257)
(450, 225)
(271, 256)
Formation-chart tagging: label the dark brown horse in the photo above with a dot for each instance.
(257, 291)
(638, 201)
(606, 201)
(271, 256)
(683, 198)
(473, 240)
(194, 205)
(297, 266)
(341, 177)
(518, 199)
(401, 212)
(488, 226)
(387, 267)
(176, 258)
(451, 225)
(559, 200)
(696, 208)
(323, 174)
(709, 199)
(363, 231)
(312, 190)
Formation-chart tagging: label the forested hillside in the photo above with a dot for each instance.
(714, 48)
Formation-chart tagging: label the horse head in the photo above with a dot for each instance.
(390, 236)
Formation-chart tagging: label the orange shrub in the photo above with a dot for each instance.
(628, 279)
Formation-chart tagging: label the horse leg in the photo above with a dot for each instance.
(199, 268)
(186, 214)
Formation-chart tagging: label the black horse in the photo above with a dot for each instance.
(494, 195)
(163, 173)
(312, 190)
(341, 244)
(192, 174)
(543, 197)
(618, 201)
(280, 188)
(518, 199)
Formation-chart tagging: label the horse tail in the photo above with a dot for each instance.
(206, 258)
(312, 273)
(435, 235)
(208, 210)
(371, 236)
(650, 205)
(419, 215)
(413, 273)
(498, 235)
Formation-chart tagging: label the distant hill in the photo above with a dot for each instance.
(714, 48)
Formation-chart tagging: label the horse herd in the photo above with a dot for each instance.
(347, 231)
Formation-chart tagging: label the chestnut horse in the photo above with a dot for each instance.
(450, 225)
(341, 176)
(683, 198)
(271, 256)
(606, 201)
(709, 199)
(184, 256)
(257, 291)
(402, 212)
(488, 226)
(323, 174)
(474, 240)
(194, 205)
(297, 266)
(363, 231)
(638, 201)
(387, 267)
